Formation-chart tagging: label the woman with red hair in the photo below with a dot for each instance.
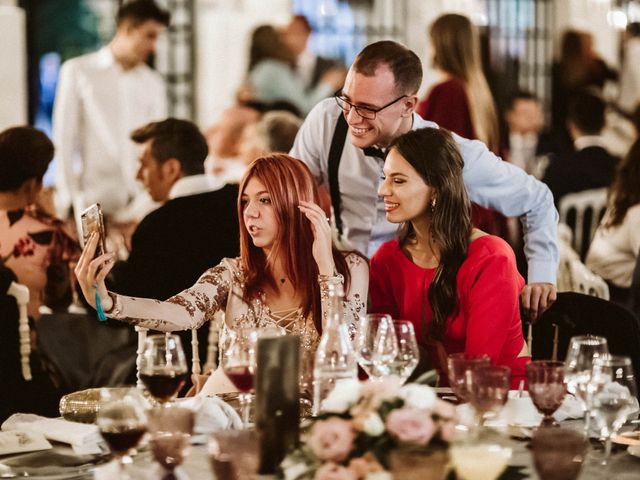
(280, 279)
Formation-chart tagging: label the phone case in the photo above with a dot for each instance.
(92, 221)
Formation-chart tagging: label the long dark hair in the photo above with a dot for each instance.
(624, 192)
(266, 43)
(288, 182)
(435, 156)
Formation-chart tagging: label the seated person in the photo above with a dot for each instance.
(274, 132)
(196, 226)
(591, 165)
(280, 278)
(33, 244)
(458, 286)
(614, 251)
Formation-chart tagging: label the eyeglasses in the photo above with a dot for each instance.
(365, 112)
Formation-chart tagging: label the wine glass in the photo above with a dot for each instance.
(616, 399)
(459, 368)
(122, 423)
(374, 343)
(479, 461)
(489, 390)
(546, 388)
(407, 356)
(558, 453)
(582, 352)
(170, 430)
(239, 364)
(163, 367)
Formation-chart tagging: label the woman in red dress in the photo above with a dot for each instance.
(458, 285)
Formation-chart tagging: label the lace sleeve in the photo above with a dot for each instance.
(187, 310)
(355, 298)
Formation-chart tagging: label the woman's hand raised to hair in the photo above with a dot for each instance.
(322, 243)
(91, 273)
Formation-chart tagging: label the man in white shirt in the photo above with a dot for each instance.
(378, 104)
(101, 97)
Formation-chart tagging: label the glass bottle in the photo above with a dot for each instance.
(334, 359)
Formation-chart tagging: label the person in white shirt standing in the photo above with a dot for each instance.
(101, 97)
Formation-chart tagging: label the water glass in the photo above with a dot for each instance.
(479, 461)
(234, 454)
(582, 352)
(408, 355)
(163, 367)
(558, 453)
(170, 430)
(617, 398)
(459, 368)
(374, 343)
(546, 387)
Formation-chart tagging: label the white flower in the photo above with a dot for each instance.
(295, 471)
(379, 476)
(345, 394)
(417, 396)
(373, 425)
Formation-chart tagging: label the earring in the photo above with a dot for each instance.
(433, 204)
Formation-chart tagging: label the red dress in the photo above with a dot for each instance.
(487, 320)
(448, 106)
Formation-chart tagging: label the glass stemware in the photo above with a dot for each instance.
(489, 390)
(582, 352)
(558, 453)
(616, 399)
(546, 388)
(479, 461)
(170, 430)
(239, 364)
(373, 343)
(122, 423)
(459, 368)
(163, 368)
(407, 355)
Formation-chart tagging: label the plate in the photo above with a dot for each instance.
(627, 438)
(50, 465)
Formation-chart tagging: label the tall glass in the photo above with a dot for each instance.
(239, 364)
(122, 423)
(459, 368)
(170, 430)
(489, 390)
(546, 388)
(372, 343)
(617, 398)
(407, 356)
(583, 351)
(163, 368)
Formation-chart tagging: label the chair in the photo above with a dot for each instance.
(582, 211)
(577, 314)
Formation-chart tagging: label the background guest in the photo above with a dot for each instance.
(461, 101)
(629, 97)
(274, 132)
(615, 248)
(590, 165)
(458, 286)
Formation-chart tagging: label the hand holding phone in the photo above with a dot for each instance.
(93, 221)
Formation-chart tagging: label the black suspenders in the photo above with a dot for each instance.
(335, 153)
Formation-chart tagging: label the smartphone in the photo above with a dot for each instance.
(93, 221)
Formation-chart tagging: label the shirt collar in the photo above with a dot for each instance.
(194, 184)
(589, 141)
(105, 57)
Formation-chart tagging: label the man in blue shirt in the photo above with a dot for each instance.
(378, 102)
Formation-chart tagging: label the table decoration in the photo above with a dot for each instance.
(364, 424)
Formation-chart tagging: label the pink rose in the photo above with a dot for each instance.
(332, 439)
(333, 471)
(411, 426)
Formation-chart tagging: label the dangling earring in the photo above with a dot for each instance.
(433, 204)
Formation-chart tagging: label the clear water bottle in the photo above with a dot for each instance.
(335, 359)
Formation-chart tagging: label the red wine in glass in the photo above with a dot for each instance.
(163, 386)
(122, 439)
(241, 377)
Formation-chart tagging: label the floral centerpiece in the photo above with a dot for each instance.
(364, 424)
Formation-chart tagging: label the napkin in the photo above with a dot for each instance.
(83, 438)
(17, 442)
(571, 408)
(212, 414)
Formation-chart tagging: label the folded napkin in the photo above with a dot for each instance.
(17, 442)
(212, 414)
(83, 438)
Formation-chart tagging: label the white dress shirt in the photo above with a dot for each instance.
(98, 104)
(194, 185)
(490, 182)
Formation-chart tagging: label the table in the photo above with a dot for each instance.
(197, 467)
